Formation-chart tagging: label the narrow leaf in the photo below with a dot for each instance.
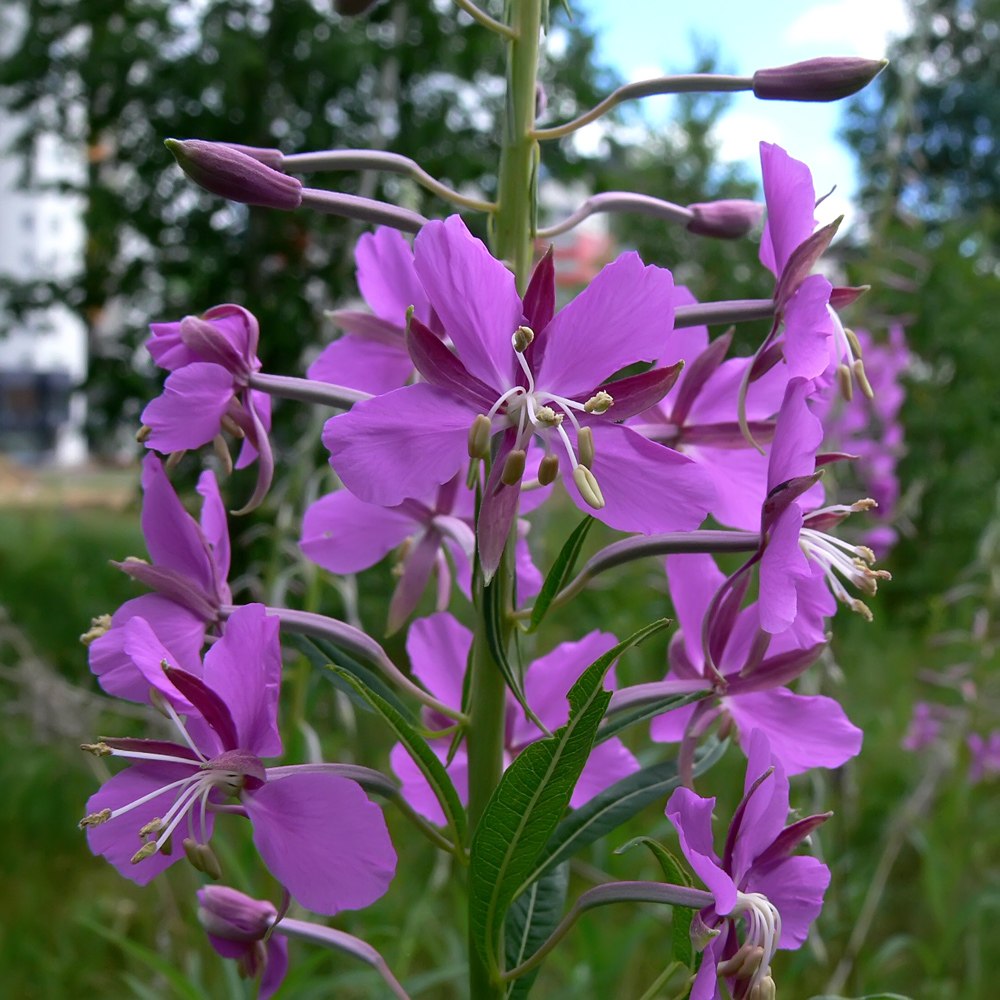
(531, 919)
(529, 801)
(616, 805)
(423, 756)
(648, 711)
(560, 573)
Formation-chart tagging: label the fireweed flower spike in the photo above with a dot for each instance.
(345, 535)
(757, 878)
(533, 374)
(297, 812)
(211, 359)
(190, 564)
(439, 649)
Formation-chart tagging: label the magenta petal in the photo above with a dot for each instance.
(781, 566)
(791, 206)
(215, 527)
(414, 579)
(474, 295)
(276, 968)
(529, 576)
(189, 412)
(804, 732)
(706, 981)
(256, 440)
(646, 487)
(740, 479)
(346, 535)
(797, 436)
(400, 445)
(764, 811)
(795, 887)
(387, 277)
(694, 578)
(497, 511)
(416, 789)
(808, 328)
(360, 363)
(323, 840)
(608, 762)
(624, 315)
(692, 817)
(244, 669)
(166, 347)
(118, 839)
(438, 647)
(671, 726)
(148, 655)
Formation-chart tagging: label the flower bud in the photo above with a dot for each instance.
(828, 78)
(728, 219)
(232, 915)
(230, 173)
(273, 158)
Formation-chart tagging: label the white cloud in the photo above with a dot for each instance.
(854, 27)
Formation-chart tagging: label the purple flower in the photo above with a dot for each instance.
(439, 650)
(237, 925)
(372, 355)
(757, 878)
(923, 729)
(985, 761)
(316, 831)
(346, 535)
(190, 564)
(525, 372)
(211, 359)
(751, 669)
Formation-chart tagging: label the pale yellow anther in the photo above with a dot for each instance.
(95, 819)
(859, 506)
(548, 469)
(862, 609)
(158, 701)
(523, 336)
(222, 452)
(600, 402)
(99, 626)
(203, 858)
(146, 851)
(743, 964)
(142, 434)
(479, 436)
(865, 553)
(585, 447)
(230, 425)
(845, 383)
(136, 559)
(852, 339)
(513, 468)
(153, 826)
(587, 485)
(97, 749)
(174, 459)
(547, 416)
(859, 373)
(764, 990)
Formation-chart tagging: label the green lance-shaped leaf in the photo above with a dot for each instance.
(650, 710)
(323, 654)
(560, 573)
(532, 917)
(530, 800)
(425, 758)
(617, 804)
(676, 875)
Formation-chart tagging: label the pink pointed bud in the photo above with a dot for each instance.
(828, 78)
(231, 174)
(273, 158)
(233, 916)
(725, 220)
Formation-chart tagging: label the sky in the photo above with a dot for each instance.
(645, 38)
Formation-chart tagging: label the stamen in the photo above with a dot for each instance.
(600, 402)
(479, 436)
(548, 469)
(585, 445)
(98, 626)
(587, 485)
(230, 425)
(523, 336)
(174, 459)
(548, 417)
(222, 453)
(95, 819)
(171, 713)
(142, 434)
(859, 373)
(516, 391)
(97, 749)
(844, 382)
(513, 467)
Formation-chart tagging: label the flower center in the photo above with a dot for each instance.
(753, 959)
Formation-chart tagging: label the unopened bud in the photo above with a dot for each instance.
(523, 336)
(828, 78)
(229, 914)
(267, 155)
(513, 467)
(600, 402)
(548, 469)
(225, 171)
(99, 626)
(585, 447)
(146, 851)
(95, 819)
(142, 434)
(587, 485)
(728, 219)
(858, 367)
(845, 382)
(479, 436)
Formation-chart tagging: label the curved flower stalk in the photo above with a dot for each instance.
(748, 670)
(757, 882)
(174, 788)
(211, 359)
(439, 650)
(345, 535)
(522, 372)
(190, 565)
